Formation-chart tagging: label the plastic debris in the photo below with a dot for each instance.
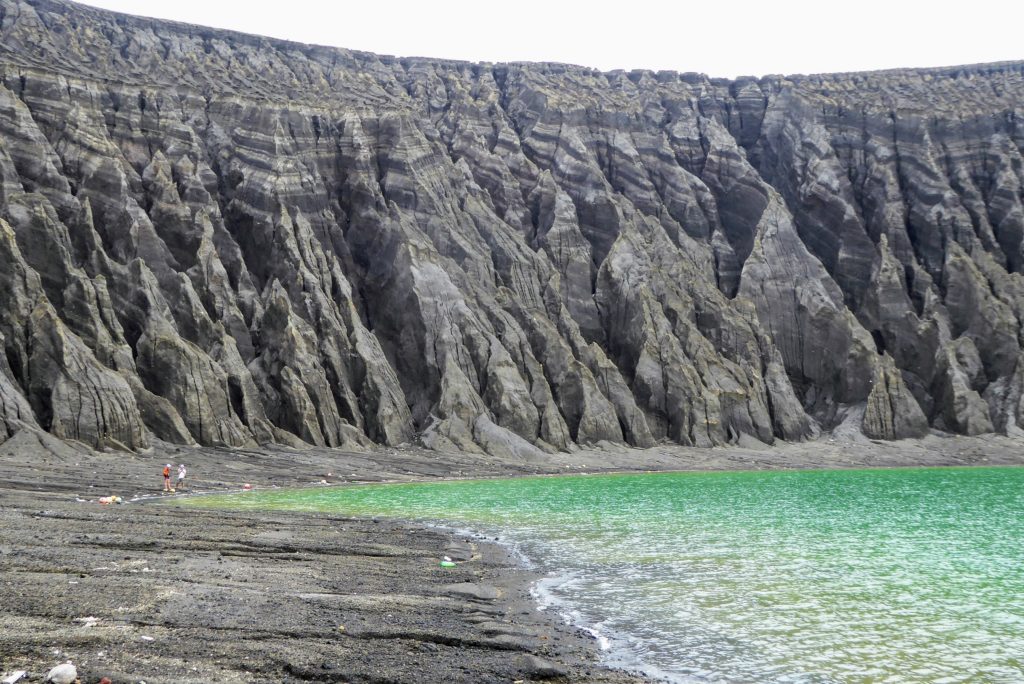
(247, 487)
(88, 621)
(447, 564)
(341, 628)
(147, 638)
(14, 677)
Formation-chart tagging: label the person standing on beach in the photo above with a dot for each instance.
(181, 476)
(167, 477)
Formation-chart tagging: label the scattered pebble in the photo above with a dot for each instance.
(62, 674)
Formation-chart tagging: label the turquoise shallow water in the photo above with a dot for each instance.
(812, 576)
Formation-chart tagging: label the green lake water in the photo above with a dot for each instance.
(812, 576)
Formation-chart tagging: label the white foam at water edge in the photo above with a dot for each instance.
(545, 598)
(603, 642)
(616, 653)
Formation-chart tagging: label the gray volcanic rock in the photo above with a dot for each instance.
(892, 412)
(217, 238)
(67, 391)
(15, 412)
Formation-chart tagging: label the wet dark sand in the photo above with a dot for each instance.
(186, 595)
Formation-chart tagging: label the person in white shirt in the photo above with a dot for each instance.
(181, 476)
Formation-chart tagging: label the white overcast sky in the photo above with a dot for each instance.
(718, 37)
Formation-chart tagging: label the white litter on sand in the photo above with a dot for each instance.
(62, 674)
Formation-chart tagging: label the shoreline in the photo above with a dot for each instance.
(526, 572)
(613, 652)
(244, 596)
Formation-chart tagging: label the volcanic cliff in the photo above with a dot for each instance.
(216, 238)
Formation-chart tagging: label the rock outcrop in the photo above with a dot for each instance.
(215, 238)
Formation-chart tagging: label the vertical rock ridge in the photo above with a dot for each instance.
(224, 239)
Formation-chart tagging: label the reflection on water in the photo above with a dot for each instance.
(838, 576)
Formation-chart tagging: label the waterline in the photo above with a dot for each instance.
(811, 576)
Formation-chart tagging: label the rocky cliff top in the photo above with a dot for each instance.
(78, 40)
(220, 238)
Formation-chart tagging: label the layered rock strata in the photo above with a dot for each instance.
(215, 238)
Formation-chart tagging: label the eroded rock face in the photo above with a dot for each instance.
(215, 238)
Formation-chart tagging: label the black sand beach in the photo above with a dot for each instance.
(159, 593)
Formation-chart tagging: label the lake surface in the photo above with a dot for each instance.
(812, 576)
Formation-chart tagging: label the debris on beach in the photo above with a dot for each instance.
(13, 677)
(88, 621)
(62, 674)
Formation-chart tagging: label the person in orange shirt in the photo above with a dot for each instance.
(167, 477)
